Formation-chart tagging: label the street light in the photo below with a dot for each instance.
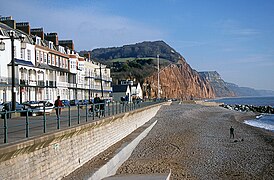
(11, 33)
(101, 79)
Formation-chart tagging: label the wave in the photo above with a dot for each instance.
(265, 122)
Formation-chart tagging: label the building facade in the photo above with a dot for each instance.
(46, 67)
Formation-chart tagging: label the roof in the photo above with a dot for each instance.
(59, 69)
(22, 62)
(44, 66)
(4, 32)
(119, 88)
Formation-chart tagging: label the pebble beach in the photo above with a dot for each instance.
(193, 142)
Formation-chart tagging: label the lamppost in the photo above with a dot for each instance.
(2, 48)
(101, 79)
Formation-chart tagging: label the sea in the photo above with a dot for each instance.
(266, 121)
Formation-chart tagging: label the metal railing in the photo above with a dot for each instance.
(18, 125)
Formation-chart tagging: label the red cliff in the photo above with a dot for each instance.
(178, 81)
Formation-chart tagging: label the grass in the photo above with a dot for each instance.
(132, 59)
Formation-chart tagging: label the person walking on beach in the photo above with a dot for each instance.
(58, 104)
(231, 132)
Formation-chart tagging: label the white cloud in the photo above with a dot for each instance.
(233, 27)
(87, 26)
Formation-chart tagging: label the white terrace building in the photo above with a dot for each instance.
(46, 67)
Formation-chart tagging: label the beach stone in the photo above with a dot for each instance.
(193, 142)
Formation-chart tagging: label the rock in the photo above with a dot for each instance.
(179, 81)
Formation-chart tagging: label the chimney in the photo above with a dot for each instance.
(23, 26)
(67, 43)
(38, 32)
(8, 21)
(53, 37)
(87, 55)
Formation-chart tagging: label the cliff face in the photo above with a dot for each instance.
(218, 84)
(179, 81)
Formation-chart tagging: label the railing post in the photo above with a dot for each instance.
(93, 111)
(86, 112)
(58, 117)
(27, 125)
(44, 117)
(78, 114)
(69, 116)
(5, 128)
(108, 109)
(104, 109)
(112, 108)
(116, 108)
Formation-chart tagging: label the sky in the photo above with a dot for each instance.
(233, 37)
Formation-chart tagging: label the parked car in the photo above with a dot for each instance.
(66, 102)
(83, 102)
(74, 102)
(37, 107)
(7, 106)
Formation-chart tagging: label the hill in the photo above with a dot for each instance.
(225, 89)
(135, 61)
(218, 84)
(141, 50)
(139, 62)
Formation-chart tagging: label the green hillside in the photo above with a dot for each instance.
(136, 61)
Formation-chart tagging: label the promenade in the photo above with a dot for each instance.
(193, 142)
(20, 128)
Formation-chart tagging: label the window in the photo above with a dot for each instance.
(53, 60)
(22, 53)
(49, 60)
(29, 54)
(37, 56)
(38, 41)
(41, 56)
(45, 57)
(61, 62)
(57, 60)
(51, 45)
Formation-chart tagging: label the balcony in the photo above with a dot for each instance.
(23, 82)
(41, 83)
(51, 83)
(63, 84)
(32, 83)
(97, 77)
(82, 86)
(72, 85)
(107, 88)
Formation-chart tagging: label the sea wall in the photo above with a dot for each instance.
(55, 155)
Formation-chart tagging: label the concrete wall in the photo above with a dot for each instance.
(55, 155)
